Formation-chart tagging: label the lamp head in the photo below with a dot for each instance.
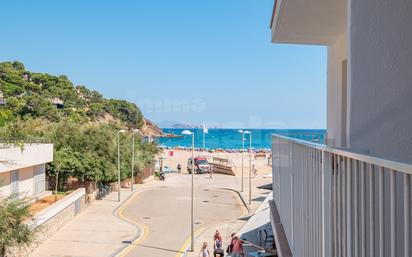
(122, 131)
(247, 132)
(240, 131)
(187, 132)
(135, 131)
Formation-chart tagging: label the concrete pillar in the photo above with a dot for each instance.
(337, 96)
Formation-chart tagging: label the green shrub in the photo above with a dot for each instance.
(14, 213)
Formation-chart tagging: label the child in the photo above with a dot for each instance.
(204, 252)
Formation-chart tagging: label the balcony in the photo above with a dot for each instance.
(331, 202)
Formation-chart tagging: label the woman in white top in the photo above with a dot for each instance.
(204, 252)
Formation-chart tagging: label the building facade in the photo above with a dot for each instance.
(352, 196)
(22, 169)
(369, 83)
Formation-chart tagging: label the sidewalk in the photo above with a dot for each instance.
(94, 232)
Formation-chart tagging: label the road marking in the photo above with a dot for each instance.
(183, 250)
(144, 229)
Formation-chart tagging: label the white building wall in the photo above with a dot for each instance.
(26, 182)
(5, 184)
(337, 53)
(39, 179)
(24, 161)
(15, 158)
(381, 78)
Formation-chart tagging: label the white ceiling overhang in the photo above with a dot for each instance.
(315, 22)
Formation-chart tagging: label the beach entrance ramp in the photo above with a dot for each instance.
(223, 166)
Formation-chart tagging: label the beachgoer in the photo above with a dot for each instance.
(237, 250)
(204, 252)
(230, 246)
(216, 237)
(254, 171)
(218, 252)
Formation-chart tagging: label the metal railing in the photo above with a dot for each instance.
(7, 142)
(339, 203)
(312, 136)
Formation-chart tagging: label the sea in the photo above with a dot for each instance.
(231, 139)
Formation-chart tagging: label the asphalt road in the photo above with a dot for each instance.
(165, 213)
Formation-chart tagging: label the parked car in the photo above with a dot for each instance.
(166, 169)
(202, 165)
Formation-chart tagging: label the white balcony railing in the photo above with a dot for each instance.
(336, 203)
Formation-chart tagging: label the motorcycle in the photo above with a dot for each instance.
(160, 175)
(103, 191)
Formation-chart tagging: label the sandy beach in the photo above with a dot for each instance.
(180, 156)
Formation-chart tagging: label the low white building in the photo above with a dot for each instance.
(22, 169)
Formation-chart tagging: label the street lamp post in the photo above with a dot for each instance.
(192, 237)
(118, 162)
(243, 154)
(250, 165)
(135, 131)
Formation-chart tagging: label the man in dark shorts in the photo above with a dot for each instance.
(218, 252)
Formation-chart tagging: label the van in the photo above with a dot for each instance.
(201, 165)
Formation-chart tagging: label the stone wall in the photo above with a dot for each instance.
(52, 225)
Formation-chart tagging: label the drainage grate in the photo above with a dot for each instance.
(198, 222)
(205, 201)
(146, 218)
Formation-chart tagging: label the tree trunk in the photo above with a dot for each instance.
(2, 251)
(57, 186)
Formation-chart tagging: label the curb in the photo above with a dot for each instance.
(115, 212)
(240, 196)
(198, 233)
(148, 179)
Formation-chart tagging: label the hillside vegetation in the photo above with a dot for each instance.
(32, 94)
(81, 124)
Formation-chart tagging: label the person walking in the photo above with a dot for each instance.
(254, 171)
(204, 252)
(230, 246)
(218, 252)
(237, 250)
(217, 237)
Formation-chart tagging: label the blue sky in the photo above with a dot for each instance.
(183, 61)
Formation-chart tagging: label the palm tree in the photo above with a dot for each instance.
(14, 213)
